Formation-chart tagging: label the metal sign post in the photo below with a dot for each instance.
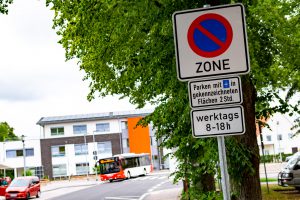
(223, 168)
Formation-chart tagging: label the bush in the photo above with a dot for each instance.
(8, 173)
(274, 158)
(28, 173)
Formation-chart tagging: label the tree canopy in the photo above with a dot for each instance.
(127, 48)
(6, 132)
(4, 6)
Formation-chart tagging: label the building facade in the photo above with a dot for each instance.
(12, 157)
(70, 145)
(278, 137)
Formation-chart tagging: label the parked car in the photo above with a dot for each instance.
(290, 174)
(23, 188)
(289, 157)
(4, 182)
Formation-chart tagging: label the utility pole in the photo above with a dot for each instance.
(86, 160)
(24, 154)
(278, 139)
(95, 153)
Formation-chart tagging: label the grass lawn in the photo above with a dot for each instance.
(279, 193)
(269, 179)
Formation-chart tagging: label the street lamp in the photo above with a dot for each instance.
(95, 153)
(4, 155)
(24, 159)
(69, 174)
(86, 161)
(279, 138)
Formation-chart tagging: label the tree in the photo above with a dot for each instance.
(6, 132)
(4, 5)
(127, 48)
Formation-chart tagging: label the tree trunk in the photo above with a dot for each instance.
(249, 188)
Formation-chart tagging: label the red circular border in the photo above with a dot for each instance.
(196, 23)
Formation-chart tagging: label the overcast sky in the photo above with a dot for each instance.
(35, 80)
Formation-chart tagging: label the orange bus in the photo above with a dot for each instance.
(124, 166)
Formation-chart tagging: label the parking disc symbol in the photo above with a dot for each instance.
(226, 83)
(210, 35)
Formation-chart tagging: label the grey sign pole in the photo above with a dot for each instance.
(223, 168)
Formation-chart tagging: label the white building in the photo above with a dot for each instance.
(278, 137)
(71, 144)
(12, 158)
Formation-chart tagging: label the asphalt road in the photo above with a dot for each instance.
(132, 189)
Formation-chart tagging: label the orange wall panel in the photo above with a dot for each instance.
(139, 137)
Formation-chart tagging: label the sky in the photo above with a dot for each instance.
(35, 79)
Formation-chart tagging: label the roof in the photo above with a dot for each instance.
(2, 166)
(92, 117)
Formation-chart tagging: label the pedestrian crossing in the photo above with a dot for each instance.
(149, 177)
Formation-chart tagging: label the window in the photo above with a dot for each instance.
(29, 152)
(79, 129)
(59, 170)
(124, 125)
(294, 150)
(153, 141)
(104, 148)
(19, 153)
(82, 168)
(81, 149)
(58, 151)
(57, 131)
(125, 142)
(102, 127)
(279, 137)
(269, 138)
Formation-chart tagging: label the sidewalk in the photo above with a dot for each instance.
(168, 194)
(54, 185)
(272, 169)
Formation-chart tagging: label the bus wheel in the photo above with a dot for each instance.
(128, 175)
(110, 180)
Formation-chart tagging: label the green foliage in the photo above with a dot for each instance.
(196, 194)
(4, 5)
(239, 158)
(274, 158)
(274, 43)
(28, 173)
(6, 132)
(296, 126)
(269, 180)
(8, 173)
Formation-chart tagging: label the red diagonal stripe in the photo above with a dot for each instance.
(210, 35)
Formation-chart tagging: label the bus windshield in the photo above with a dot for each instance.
(107, 167)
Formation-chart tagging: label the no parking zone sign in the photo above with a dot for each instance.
(211, 42)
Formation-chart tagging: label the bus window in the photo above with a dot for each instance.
(109, 167)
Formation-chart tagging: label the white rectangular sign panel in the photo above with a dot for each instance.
(218, 122)
(211, 42)
(215, 92)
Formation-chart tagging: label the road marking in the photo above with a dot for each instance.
(151, 189)
(162, 177)
(148, 178)
(123, 198)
